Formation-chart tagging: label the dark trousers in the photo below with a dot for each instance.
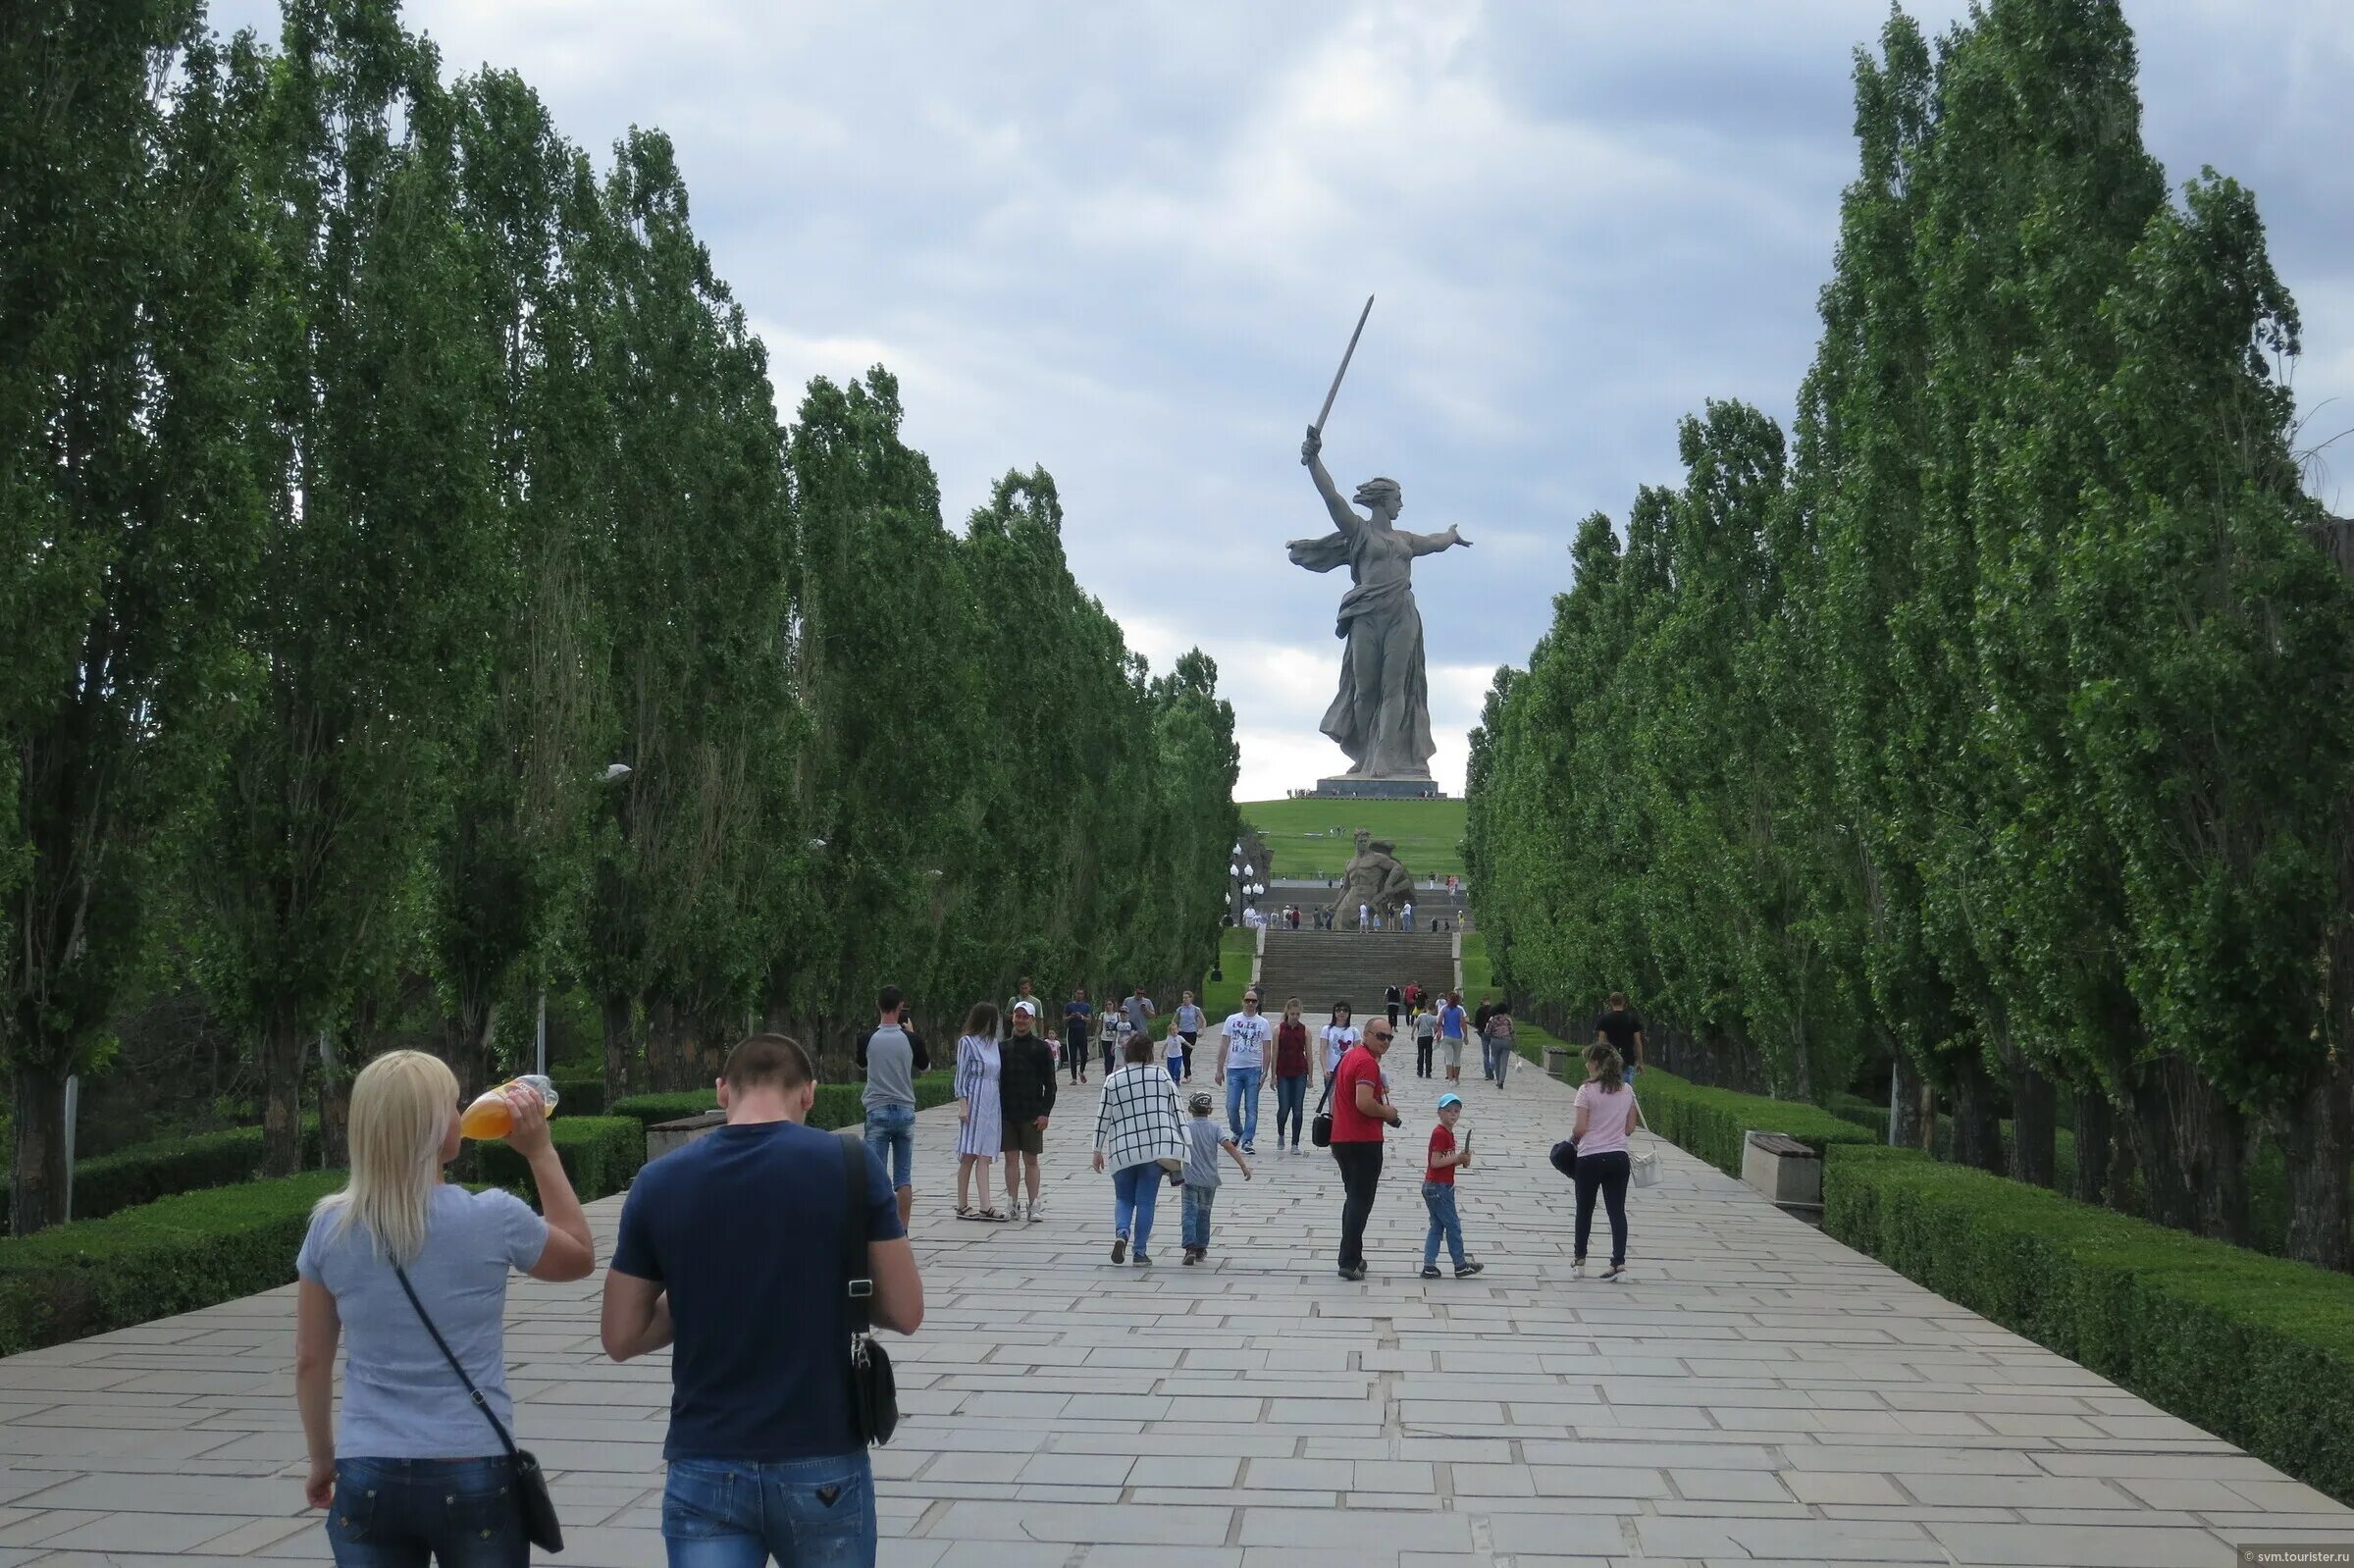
(1394, 1016)
(1074, 1055)
(1360, 1174)
(1606, 1174)
(1421, 1055)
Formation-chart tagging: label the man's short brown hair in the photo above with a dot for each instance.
(769, 1062)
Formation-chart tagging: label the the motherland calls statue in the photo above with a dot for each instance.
(1376, 880)
(1382, 718)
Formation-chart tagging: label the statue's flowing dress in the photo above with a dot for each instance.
(1383, 724)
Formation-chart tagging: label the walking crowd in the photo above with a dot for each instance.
(767, 1221)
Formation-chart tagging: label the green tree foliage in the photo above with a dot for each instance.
(128, 508)
(377, 473)
(2006, 734)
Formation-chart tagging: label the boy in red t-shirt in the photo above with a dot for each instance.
(1439, 1192)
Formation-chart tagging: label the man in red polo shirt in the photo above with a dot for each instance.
(1361, 1109)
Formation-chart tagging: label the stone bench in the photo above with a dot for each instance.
(1785, 1169)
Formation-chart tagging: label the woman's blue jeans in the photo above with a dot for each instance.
(1135, 1192)
(1290, 1103)
(736, 1513)
(392, 1513)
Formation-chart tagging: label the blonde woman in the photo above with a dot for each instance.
(412, 1466)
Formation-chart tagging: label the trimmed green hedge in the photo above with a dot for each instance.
(1713, 1122)
(2258, 1351)
(583, 1095)
(174, 1255)
(599, 1153)
(839, 1105)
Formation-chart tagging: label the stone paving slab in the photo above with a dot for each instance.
(1754, 1393)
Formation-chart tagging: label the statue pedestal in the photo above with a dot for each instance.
(1379, 789)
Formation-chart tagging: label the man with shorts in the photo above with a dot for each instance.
(890, 1057)
(1026, 1098)
(1452, 1022)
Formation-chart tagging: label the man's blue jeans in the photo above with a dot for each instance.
(806, 1513)
(1198, 1203)
(1439, 1198)
(891, 1135)
(1243, 1102)
(1135, 1193)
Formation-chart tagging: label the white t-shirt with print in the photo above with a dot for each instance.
(1337, 1039)
(1247, 1038)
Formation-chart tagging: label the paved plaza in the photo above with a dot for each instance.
(1754, 1393)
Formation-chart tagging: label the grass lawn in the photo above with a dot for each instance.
(1479, 979)
(1220, 998)
(1316, 838)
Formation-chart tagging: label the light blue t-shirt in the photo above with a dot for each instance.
(401, 1399)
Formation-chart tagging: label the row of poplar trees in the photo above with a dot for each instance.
(2002, 730)
(376, 473)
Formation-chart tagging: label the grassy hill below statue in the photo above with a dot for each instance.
(1313, 837)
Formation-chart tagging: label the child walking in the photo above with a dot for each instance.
(1438, 1193)
(1204, 1137)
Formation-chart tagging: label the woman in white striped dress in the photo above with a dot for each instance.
(1136, 1127)
(979, 1123)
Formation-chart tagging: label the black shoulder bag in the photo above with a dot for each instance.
(1320, 1129)
(873, 1389)
(540, 1524)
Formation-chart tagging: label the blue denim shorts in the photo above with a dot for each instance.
(891, 1135)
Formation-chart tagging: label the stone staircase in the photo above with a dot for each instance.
(1322, 967)
(1430, 903)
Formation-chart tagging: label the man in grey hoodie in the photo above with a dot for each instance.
(891, 1056)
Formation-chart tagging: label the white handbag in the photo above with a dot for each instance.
(1645, 1162)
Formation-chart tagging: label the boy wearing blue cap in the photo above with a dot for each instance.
(1438, 1193)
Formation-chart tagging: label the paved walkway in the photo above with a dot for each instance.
(1755, 1392)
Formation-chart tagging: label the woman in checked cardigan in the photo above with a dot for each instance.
(1136, 1127)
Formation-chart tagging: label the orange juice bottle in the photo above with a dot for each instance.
(489, 1116)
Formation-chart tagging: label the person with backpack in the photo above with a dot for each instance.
(1451, 1024)
(1500, 1039)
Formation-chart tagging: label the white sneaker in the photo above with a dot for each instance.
(1012, 1213)
(1576, 1269)
(1030, 1215)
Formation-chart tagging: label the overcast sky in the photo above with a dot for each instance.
(1128, 242)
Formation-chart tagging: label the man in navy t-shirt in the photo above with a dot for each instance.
(731, 1252)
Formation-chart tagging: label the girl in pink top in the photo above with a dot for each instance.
(1605, 1114)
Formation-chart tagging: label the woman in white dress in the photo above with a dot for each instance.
(979, 1123)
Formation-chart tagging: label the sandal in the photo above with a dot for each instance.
(965, 1211)
(990, 1215)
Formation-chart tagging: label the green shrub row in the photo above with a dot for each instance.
(174, 1255)
(839, 1105)
(2258, 1351)
(1713, 1122)
(146, 1172)
(579, 1095)
(599, 1153)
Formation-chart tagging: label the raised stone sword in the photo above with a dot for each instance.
(1322, 414)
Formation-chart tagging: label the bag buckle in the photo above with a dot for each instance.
(860, 1289)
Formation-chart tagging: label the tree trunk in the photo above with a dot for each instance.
(335, 1106)
(2096, 1127)
(2035, 1123)
(2224, 1175)
(1908, 1104)
(2167, 1198)
(466, 1034)
(2318, 1141)
(620, 1015)
(1978, 1125)
(36, 1179)
(282, 1093)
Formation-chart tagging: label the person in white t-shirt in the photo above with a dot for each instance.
(1339, 1035)
(1242, 1068)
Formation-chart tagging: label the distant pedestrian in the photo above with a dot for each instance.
(1405, 917)
(1027, 1096)
(980, 1116)
(1605, 1114)
(1364, 917)
(1022, 996)
(1426, 1039)
(1242, 1043)
(739, 1252)
(1361, 1109)
(1189, 1034)
(1078, 1016)
(410, 1456)
(1448, 1155)
(890, 1056)
(1141, 1010)
(1339, 1034)
(1291, 1069)
(1393, 998)
(1479, 1027)
(1499, 1038)
(1136, 1129)
(1203, 1139)
(1451, 1024)
(1114, 1029)
(1621, 1031)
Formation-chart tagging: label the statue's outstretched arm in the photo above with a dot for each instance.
(1433, 543)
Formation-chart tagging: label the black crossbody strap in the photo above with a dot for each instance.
(472, 1392)
(858, 1278)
